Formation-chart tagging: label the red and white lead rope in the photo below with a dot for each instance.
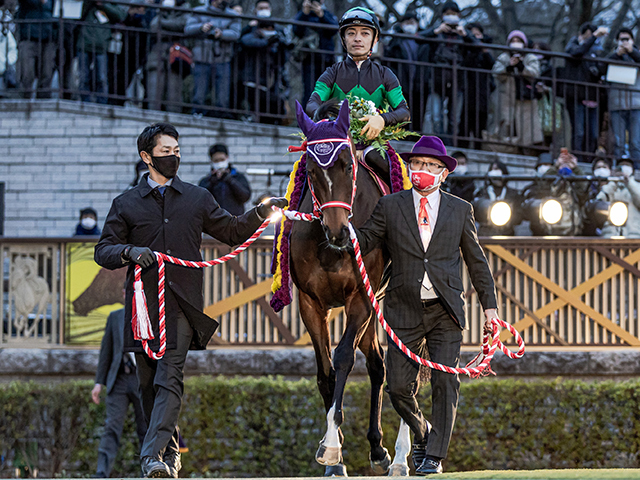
(480, 365)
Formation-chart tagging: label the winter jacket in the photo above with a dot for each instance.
(231, 191)
(94, 37)
(581, 68)
(171, 25)
(30, 11)
(626, 97)
(8, 50)
(630, 193)
(325, 35)
(206, 48)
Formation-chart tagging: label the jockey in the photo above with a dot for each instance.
(358, 75)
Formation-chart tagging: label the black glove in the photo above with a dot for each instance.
(264, 209)
(143, 256)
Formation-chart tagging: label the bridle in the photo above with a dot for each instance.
(318, 207)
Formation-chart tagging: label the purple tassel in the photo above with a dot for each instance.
(397, 183)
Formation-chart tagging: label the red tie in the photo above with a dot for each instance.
(423, 215)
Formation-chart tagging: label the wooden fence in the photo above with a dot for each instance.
(557, 291)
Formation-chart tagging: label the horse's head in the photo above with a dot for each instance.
(331, 170)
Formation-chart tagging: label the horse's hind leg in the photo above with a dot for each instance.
(370, 346)
(399, 467)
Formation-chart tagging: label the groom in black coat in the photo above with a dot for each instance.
(164, 214)
(428, 233)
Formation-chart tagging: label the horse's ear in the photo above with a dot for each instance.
(304, 122)
(343, 121)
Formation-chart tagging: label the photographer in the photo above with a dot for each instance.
(627, 190)
(446, 52)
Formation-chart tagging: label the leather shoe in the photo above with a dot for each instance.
(419, 453)
(172, 459)
(429, 466)
(154, 468)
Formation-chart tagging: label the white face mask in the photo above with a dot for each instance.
(268, 33)
(627, 170)
(88, 223)
(264, 13)
(168, 3)
(542, 169)
(220, 165)
(602, 172)
(410, 28)
(516, 45)
(451, 19)
(494, 173)
(461, 169)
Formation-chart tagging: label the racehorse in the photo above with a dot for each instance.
(327, 277)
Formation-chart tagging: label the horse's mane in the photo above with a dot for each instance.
(327, 110)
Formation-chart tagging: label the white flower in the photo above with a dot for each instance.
(371, 106)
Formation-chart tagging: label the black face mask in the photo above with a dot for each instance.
(166, 166)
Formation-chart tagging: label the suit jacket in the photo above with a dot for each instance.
(111, 350)
(172, 224)
(393, 223)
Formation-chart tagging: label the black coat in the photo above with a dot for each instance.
(172, 224)
(111, 350)
(454, 237)
(231, 191)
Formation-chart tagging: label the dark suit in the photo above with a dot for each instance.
(172, 223)
(119, 376)
(435, 326)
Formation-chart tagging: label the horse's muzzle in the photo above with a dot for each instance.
(339, 239)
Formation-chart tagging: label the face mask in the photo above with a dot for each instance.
(542, 169)
(88, 223)
(220, 165)
(602, 172)
(627, 170)
(268, 33)
(423, 180)
(168, 3)
(166, 166)
(516, 45)
(494, 173)
(451, 19)
(461, 169)
(411, 29)
(264, 13)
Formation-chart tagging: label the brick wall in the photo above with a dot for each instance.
(57, 157)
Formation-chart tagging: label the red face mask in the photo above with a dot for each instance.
(423, 180)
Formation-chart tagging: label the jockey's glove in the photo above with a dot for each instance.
(264, 209)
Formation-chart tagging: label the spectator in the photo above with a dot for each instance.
(213, 48)
(551, 108)
(313, 64)
(601, 167)
(411, 76)
(463, 188)
(494, 190)
(265, 75)
(446, 53)
(517, 119)
(88, 224)
(582, 100)
(93, 41)
(141, 169)
(229, 187)
(262, 9)
(117, 372)
(478, 84)
(627, 190)
(624, 100)
(537, 190)
(236, 7)
(8, 57)
(165, 73)
(36, 46)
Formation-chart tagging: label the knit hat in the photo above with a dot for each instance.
(519, 34)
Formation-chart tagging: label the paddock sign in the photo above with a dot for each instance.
(92, 292)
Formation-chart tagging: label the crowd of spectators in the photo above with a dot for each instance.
(207, 61)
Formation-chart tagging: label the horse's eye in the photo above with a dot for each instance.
(349, 168)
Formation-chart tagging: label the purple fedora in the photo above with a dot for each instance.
(431, 147)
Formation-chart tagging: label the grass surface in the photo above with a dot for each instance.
(605, 473)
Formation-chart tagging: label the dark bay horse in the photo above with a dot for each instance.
(327, 277)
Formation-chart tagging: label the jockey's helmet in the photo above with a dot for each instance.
(360, 16)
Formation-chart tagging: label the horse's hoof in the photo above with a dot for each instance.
(381, 467)
(338, 470)
(399, 470)
(330, 456)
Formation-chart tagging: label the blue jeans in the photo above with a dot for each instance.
(623, 121)
(93, 79)
(202, 73)
(434, 121)
(585, 128)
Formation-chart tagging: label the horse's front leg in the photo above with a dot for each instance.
(330, 451)
(400, 467)
(370, 346)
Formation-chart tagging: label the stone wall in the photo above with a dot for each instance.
(57, 157)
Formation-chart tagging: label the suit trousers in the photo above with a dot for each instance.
(161, 389)
(124, 391)
(440, 336)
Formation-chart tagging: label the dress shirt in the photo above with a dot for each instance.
(427, 291)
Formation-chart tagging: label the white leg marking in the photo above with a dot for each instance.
(331, 438)
(403, 445)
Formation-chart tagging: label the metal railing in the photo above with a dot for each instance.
(492, 110)
(563, 292)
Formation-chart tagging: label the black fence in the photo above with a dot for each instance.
(468, 93)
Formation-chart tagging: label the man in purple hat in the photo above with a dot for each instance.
(424, 301)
